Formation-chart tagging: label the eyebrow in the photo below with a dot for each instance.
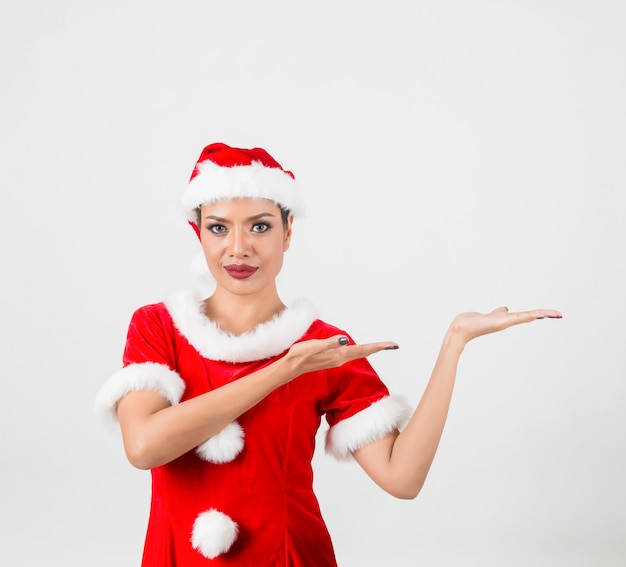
(250, 219)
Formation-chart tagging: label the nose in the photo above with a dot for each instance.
(239, 245)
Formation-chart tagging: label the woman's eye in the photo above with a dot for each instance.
(216, 228)
(260, 227)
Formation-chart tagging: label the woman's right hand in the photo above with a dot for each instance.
(321, 354)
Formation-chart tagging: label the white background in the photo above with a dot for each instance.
(455, 156)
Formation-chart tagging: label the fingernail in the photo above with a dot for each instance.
(506, 308)
(392, 347)
(343, 340)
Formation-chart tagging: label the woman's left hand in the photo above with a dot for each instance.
(468, 326)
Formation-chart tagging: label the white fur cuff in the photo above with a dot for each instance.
(370, 424)
(135, 377)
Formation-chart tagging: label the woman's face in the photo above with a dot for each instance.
(244, 241)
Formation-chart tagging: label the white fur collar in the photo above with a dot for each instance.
(267, 340)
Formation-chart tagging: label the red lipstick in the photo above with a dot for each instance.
(240, 271)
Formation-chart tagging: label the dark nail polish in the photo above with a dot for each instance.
(343, 341)
(392, 347)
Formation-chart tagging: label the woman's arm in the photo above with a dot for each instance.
(399, 463)
(155, 433)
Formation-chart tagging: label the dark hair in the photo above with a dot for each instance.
(284, 215)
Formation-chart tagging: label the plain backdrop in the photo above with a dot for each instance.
(455, 156)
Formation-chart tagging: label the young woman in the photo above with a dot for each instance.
(221, 397)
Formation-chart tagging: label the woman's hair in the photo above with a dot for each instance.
(284, 215)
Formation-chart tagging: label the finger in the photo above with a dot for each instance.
(341, 340)
(502, 309)
(529, 316)
(335, 341)
(381, 345)
(316, 346)
(361, 351)
(547, 313)
(523, 317)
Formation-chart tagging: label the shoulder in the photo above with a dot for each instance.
(151, 312)
(152, 321)
(151, 309)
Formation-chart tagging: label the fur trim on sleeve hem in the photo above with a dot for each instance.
(370, 424)
(134, 377)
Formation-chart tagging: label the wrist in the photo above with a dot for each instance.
(281, 371)
(454, 341)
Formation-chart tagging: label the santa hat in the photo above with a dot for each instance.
(223, 172)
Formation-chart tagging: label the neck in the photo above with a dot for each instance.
(240, 314)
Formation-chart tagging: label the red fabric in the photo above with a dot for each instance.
(227, 156)
(267, 488)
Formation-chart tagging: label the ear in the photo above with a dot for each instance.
(288, 233)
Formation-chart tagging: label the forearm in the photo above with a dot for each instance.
(155, 435)
(400, 463)
(414, 449)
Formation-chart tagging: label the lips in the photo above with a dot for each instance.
(240, 271)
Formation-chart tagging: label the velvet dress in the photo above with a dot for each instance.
(245, 496)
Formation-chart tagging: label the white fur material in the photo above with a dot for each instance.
(215, 183)
(370, 424)
(267, 340)
(202, 278)
(134, 377)
(224, 446)
(213, 533)
(199, 267)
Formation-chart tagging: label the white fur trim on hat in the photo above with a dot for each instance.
(224, 446)
(370, 424)
(134, 377)
(213, 533)
(267, 340)
(215, 183)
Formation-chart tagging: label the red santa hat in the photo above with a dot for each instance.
(224, 172)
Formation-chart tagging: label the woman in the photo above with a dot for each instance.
(221, 397)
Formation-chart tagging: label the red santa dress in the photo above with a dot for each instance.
(245, 496)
